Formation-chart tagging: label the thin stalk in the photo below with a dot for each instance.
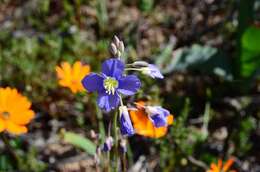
(124, 162)
(100, 122)
(9, 149)
(129, 154)
(108, 161)
(108, 153)
(135, 69)
(116, 139)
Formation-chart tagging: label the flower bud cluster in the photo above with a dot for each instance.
(117, 47)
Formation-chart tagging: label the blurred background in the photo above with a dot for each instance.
(208, 51)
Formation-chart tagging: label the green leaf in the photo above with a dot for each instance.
(80, 142)
(102, 16)
(146, 5)
(251, 39)
(204, 59)
(250, 55)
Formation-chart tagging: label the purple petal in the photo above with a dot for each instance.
(153, 71)
(159, 120)
(113, 68)
(163, 111)
(158, 115)
(129, 85)
(93, 82)
(108, 144)
(126, 126)
(107, 102)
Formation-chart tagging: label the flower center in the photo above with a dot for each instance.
(110, 84)
(5, 115)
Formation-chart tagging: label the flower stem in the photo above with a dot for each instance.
(108, 152)
(100, 121)
(135, 69)
(116, 139)
(9, 149)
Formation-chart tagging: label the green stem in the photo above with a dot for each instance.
(108, 161)
(129, 154)
(9, 149)
(135, 69)
(100, 122)
(108, 153)
(123, 161)
(116, 139)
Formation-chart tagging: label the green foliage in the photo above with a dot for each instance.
(28, 162)
(5, 163)
(52, 31)
(242, 134)
(250, 55)
(80, 142)
(146, 5)
(204, 59)
(172, 150)
(245, 19)
(102, 16)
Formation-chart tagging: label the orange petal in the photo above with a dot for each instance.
(159, 132)
(15, 129)
(4, 92)
(85, 70)
(22, 117)
(143, 125)
(59, 72)
(170, 119)
(76, 71)
(214, 167)
(219, 163)
(2, 124)
(228, 165)
(67, 70)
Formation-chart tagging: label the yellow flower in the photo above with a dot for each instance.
(15, 111)
(144, 126)
(71, 76)
(221, 168)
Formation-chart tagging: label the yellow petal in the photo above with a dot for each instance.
(76, 71)
(2, 124)
(15, 129)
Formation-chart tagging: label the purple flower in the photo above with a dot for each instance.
(157, 115)
(152, 71)
(108, 144)
(110, 83)
(126, 126)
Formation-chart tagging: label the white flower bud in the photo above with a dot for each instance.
(118, 54)
(121, 46)
(116, 41)
(113, 49)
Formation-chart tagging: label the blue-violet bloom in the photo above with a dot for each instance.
(126, 126)
(110, 83)
(108, 144)
(157, 115)
(152, 71)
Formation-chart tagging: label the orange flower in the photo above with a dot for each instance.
(221, 168)
(144, 126)
(15, 111)
(71, 76)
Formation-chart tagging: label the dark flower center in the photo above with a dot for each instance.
(110, 84)
(5, 115)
